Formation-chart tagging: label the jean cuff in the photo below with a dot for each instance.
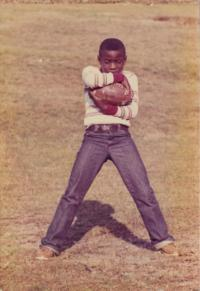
(163, 243)
(51, 248)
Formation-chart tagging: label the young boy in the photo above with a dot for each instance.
(107, 137)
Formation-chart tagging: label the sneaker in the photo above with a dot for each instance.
(45, 253)
(169, 249)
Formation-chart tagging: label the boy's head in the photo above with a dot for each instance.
(112, 55)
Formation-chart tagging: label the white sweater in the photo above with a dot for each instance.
(93, 77)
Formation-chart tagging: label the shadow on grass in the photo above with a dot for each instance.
(93, 213)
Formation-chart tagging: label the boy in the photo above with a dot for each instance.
(107, 137)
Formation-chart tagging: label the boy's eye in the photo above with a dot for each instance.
(109, 61)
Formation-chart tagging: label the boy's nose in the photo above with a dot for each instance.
(112, 66)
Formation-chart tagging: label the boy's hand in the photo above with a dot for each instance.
(118, 77)
(106, 108)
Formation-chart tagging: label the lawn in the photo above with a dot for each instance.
(43, 49)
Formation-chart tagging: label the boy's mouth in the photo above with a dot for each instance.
(111, 71)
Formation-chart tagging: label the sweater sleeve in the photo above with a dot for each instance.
(93, 77)
(130, 111)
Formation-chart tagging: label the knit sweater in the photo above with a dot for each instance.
(92, 78)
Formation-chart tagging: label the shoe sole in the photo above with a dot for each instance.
(42, 258)
(168, 254)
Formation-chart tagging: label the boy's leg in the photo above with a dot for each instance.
(88, 162)
(127, 160)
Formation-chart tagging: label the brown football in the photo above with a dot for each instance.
(115, 94)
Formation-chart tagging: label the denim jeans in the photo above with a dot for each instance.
(95, 150)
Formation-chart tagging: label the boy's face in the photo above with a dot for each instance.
(112, 61)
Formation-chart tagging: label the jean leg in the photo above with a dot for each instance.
(89, 160)
(126, 157)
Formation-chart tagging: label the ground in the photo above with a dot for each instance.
(43, 49)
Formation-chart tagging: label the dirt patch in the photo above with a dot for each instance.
(178, 20)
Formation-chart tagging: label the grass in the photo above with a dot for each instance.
(43, 49)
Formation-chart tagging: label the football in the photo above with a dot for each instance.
(115, 94)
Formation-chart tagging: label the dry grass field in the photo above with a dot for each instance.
(43, 49)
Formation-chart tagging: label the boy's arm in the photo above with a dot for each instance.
(94, 78)
(131, 110)
(128, 111)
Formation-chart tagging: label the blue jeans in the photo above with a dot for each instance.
(95, 150)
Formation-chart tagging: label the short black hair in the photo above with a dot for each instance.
(112, 44)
